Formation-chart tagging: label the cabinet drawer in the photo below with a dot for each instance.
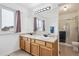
(40, 42)
(48, 44)
(32, 40)
(25, 38)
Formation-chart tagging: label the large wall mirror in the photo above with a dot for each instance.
(39, 25)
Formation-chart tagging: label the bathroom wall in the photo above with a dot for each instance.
(63, 17)
(10, 42)
(50, 17)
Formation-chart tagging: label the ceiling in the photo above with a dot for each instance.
(31, 5)
(70, 7)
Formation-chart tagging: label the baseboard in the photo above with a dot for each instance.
(11, 52)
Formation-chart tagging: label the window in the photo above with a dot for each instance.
(40, 25)
(7, 20)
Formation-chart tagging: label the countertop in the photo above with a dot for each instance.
(40, 37)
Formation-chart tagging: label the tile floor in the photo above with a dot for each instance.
(20, 53)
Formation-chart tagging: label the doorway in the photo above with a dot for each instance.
(71, 30)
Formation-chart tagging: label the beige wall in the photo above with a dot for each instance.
(63, 17)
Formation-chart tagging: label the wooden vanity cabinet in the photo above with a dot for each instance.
(38, 47)
(50, 49)
(25, 44)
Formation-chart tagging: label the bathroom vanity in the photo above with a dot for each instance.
(39, 45)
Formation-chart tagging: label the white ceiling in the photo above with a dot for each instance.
(31, 5)
(71, 7)
(35, 5)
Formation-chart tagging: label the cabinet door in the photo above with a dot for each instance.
(35, 49)
(27, 46)
(44, 51)
(22, 44)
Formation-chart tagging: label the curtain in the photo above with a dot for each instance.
(35, 24)
(18, 21)
(43, 25)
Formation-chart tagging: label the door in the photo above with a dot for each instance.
(71, 31)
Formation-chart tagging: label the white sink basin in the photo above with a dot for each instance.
(76, 44)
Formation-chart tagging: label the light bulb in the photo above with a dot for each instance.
(65, 8)
(44, 9)
(47, 8)
(41, 10)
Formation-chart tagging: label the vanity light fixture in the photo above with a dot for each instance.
(48, 8)
(36, 12)
(43, 9)
(39, 11)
